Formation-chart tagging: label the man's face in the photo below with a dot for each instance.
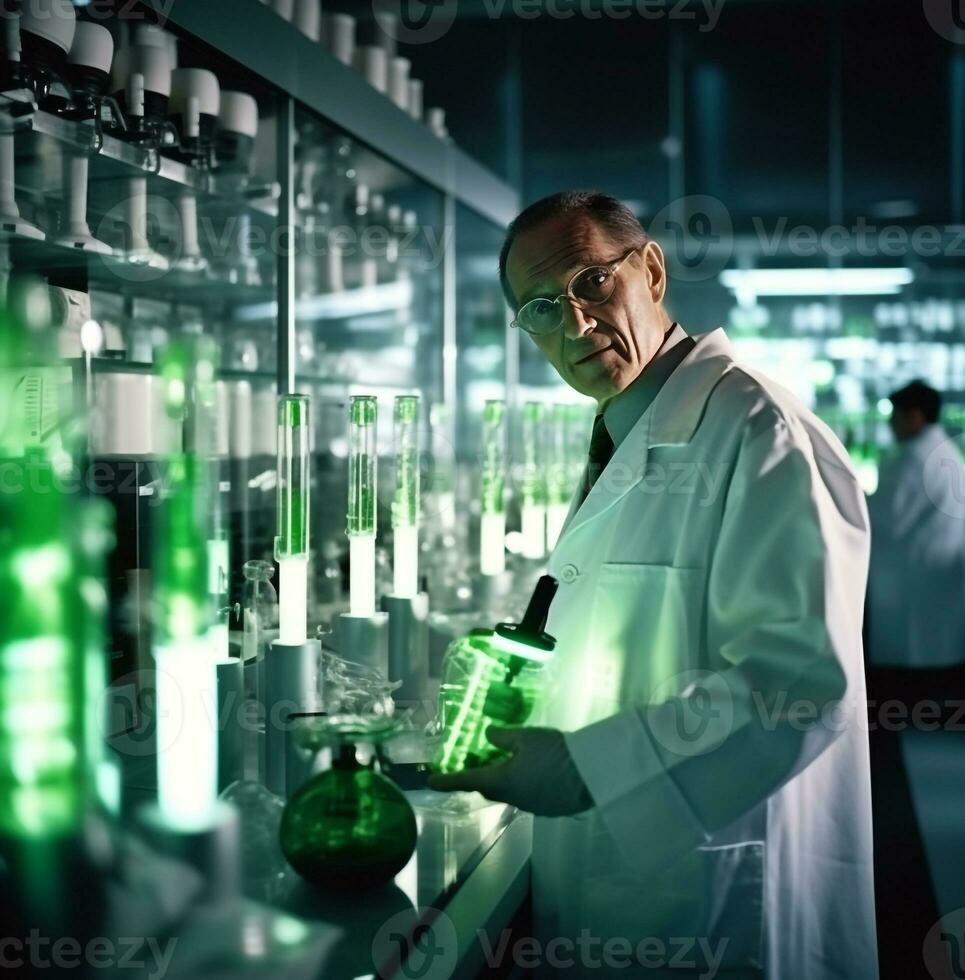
(601, 350)
(907, 423)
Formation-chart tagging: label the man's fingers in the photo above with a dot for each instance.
(506, 739)
(485, 780)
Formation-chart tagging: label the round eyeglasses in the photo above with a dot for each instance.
(591, 286)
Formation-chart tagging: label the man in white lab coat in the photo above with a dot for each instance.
(916, 588)
(700, 778)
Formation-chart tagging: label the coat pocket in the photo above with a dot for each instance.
(708, 907)
(733, 919)
(647, 630)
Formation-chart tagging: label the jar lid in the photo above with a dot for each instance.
(531, 631)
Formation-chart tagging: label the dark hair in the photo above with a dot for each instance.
(918, 395)
(610, 214)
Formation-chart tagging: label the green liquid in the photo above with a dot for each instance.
(180, 547)
(361, 495)
(493, 484)
(493, 462)
(292, 524)
(348, 828)
(405, 507)
(481, 685)
(42, 680)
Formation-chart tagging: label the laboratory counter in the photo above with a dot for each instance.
(469, 875)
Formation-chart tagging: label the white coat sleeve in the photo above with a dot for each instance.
(778, 624)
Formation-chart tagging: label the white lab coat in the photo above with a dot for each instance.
(916, 589)
(728, 535)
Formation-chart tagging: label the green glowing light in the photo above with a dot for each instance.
(362, 482)
(181, 553)
(884, 407)
(289, 932)
(494, 457)
(485, 681)
(184, 606)
(45, 704)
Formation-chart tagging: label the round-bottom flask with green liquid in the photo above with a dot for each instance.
(349, 827)
(492, 677)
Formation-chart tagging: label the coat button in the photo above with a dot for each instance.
(569, 573)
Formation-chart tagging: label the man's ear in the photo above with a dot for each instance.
(656, 266)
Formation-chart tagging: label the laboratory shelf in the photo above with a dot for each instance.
(254, 36)
(44, 139)
(78, 268)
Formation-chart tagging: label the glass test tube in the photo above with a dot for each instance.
(492, 529)
(443, 471)
(533, 504)
(202, 418)
(291, 540)
(52, 658)
(577, 439)
(558, 484)
(187, 737)
(362, 489)
(42, 772)
(405, 505)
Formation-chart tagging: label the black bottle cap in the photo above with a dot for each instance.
(531, 630)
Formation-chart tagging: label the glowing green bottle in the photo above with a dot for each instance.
(492, 677)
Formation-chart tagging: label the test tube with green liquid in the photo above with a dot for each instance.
(187, 738)
(533, 495)
(405, 503)
(492, 530)
(291, 538)
(578, 428)
(559, 489)
(52, 655)
(42, 684)
(442, 478)
(362, 490)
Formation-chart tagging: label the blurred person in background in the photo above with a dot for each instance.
(916, 587)
(915, 626)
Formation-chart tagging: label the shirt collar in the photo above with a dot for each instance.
(625, 410)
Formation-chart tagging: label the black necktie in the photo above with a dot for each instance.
(601, 450)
